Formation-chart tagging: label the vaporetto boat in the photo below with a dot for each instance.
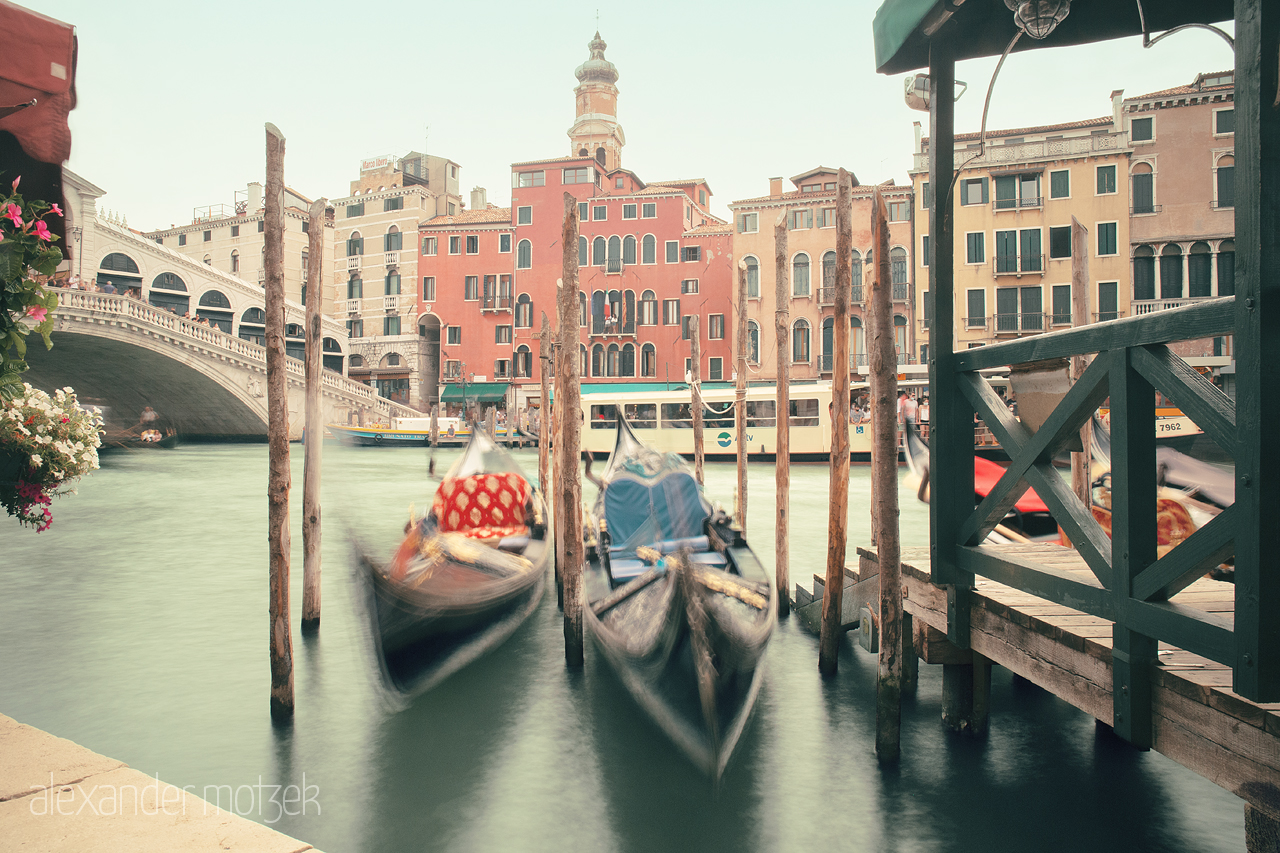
(412, 432)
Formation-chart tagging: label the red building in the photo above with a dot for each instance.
(651, 258)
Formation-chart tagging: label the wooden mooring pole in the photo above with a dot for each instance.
(281, 634)
(569, 485)
(884, 474)
(782, 453)
(838, 519)
(435, 425)
(695, 394)
(554, 424)
(740, 397)
(314, 429)
(544, 404)
(1081, 482)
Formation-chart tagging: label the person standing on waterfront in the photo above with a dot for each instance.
(907, 408)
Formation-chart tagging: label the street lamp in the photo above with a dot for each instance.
(1038, 18)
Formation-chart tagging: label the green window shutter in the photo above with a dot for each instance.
(986, 199)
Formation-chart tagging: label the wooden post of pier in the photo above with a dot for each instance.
(782, 453)
(838, 519)
(554, 424)
(569, 485)
(740, 397)
(491, 423)
(884, 475)
(314, 428)
(544, 404)
(1080, 477)
(695, 394)
(281, 635)
(435, 425)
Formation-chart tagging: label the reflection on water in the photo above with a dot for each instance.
(137, 626)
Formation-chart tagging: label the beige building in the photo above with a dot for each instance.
(809, 211)
(375, 273)
(1182, 178)
(1013, 204)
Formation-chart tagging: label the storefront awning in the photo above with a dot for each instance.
(477, 392)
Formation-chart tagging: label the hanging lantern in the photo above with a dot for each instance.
(1038, 18)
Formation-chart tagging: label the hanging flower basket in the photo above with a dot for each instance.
(46, 443)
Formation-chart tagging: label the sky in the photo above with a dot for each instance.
(173, 96)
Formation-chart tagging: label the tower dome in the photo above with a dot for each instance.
(597, 68)
(596, 132)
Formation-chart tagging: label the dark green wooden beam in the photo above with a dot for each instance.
(1023, 573)
(1206, 319)
(1201, 400)
(1203, 550)
(1195, 631)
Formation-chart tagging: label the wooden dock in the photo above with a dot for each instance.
(1198, 720)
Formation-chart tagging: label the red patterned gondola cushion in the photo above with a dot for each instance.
(483, 506)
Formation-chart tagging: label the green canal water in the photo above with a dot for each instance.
(137, 626)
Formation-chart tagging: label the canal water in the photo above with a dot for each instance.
(137, 626)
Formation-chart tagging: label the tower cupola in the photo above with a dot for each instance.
(596, 132)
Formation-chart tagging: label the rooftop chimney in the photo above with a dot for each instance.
(775, 187)
(255, 197)
(1117, 109)
(478, 200)
(915, 125)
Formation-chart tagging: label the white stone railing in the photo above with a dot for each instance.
(1149, 306)
(353, 261)
(996, 153)
(390, 259)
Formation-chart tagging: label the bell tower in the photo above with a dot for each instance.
(596, 132)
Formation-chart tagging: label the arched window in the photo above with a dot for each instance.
(828, 341)
(800, 341)
(597, 360)
(356, 361)
(800, 278)
(753, 342)
(1143, 188)
(649, 250)
(598, 251)
(253, 326)
(582, 251)
(613, 361)
(628, 360)
(629, 250)
(255, 317)
(629, 318)
(615, 252)
(392, 239)
(214, 299)
(355, 288)
(582, 309)
(524, 255)
(1144, 273)
(648, 361)
(597, 312)
(1199, 271)
(355, 244)
(600, 155)
(857, 342)
(1227, 268)
(169, 281)
(829, 274)
(524, 311)
(118, 262)
(898, 265)
(178, 302)
(648, 309)
(1171, 272)
(753, 278)
(613, 312)
(390, 284)
(856, 269)
(235, 261)
(208, 260)
(582, 360)
(1225, 182)
(215, 308)
(523, 362)
(900, 337)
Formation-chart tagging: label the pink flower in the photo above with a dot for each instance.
(55, 210)
(15, 214)
(15, 183)
(39, 312)
(42, 230)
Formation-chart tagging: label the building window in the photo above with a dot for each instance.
(1171, 272)
(618, 182)
(235, 230)
(471, 288)
(926, 197)
(452, 208)
(1106, 180)
(648, 361)
(1144, 273)
(753, 278)
(453, 336)
(501, 368)
(753, 342)
(1224, 122)
(429, 288)
(524, 255)
(396, 203)
(599, 252)
(452, 369)
(355, 329)
(1199, 271)
(671, 312)
(629, 250)
(1060, 241)
(800, 275)
(473, 244)
(748, 223)
(1062, 305)
(583, 211)
(1141, 130)
(1017, 191)
(800, 342)
(182, 239)
(391, 284)
(523, 362)
(924, 250)
(524, 312)
(1108, 295)
(715, 369)
(648, 250)
(899, 211)
(208, 236)
(502, 334)
(1225, 182)
(649, 210)
(673, 251)
(973, 191)
(898, 266)
(1019, 309)
(428, 245)
(801, 219)
(392, 240)
(531, 179)
(599, 212)
(455, 245)
(975, 248)
(692, 253)
(689, 285)
(355, 210)
(715, 327)
(1227, 268)
(390, 325)
(1060, 184)
(1144, 195)
(648, 309)
(262, 226)
(355, 244)
(827, 217)
(504, 243)
(628, 210)
(1107, 238)
(235, 262)
(687, 324)
(977, 305)
(702, 197)
(355, 289)
(584, 175)
(524, 215)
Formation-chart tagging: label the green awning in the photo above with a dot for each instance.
(477, 392)
(902, 28)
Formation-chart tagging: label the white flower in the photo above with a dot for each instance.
(36, 459)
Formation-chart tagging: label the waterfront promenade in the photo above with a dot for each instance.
(56, 795)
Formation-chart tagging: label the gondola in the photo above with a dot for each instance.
(147, 440)
(677, 602)
(464, 578)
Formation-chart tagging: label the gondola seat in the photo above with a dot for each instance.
(668, 515)
(486, 507)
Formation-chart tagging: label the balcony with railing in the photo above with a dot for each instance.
(354, 261)
(1018, 265)
(1150, 306)
(613, 266)
(1103, 316)
(1017, 203)
(826, 296)
(901, 292)
(262, 276)
(391, 303)
(1048, 149)
(390, 259)
(1142, 209)
(495, 302)
(1018, 324)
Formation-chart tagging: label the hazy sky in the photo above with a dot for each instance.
(173, 95)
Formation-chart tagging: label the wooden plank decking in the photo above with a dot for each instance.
(1198, 720)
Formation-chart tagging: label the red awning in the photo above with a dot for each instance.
(37, 62)
(985, 476)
